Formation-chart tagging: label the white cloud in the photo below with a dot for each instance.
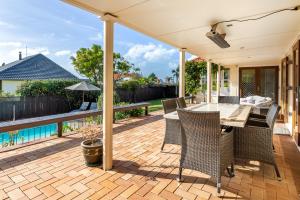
(97, 37)
(10, 51)
(63, 53)
(172, 65)
(6, 25)
(10, 44)
(149, 52)
(32, 51)
(192, 57)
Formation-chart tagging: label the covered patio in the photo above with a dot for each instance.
(140, 170)
(257, 36)
(261, 35)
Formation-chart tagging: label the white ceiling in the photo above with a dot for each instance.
(183, 24)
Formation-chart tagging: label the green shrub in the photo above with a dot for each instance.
(67, 128)
(130, 85)
(46, 87)
(100, 100)
(136, 112)
(129, 113)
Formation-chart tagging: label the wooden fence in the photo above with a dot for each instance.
(146, 93)
(27, 107)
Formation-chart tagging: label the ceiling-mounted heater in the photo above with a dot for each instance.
(217, 38)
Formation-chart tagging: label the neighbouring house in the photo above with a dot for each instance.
(127, 76)
(36, 67)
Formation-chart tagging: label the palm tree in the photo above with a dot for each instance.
(175, 73)
(168, 79)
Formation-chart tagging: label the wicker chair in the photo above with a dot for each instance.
(181, 102)
(173, 128)
(204, 146)
(254, 118)
(255, 140)
(229, 99)
(262, 118)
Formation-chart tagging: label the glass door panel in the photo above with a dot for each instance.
(267, 85)
(247, 82)
(262, 81)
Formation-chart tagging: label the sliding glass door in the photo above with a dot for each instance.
(262, 81)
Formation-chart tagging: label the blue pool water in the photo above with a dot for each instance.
(30, 134)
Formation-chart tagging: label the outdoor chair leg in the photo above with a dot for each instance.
(230, 170)
(277, 172)
(162, 146)
(219, 186)
(179, 175)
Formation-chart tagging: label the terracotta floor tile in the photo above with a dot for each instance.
(16, 194)
(55, 169)
(32, 193)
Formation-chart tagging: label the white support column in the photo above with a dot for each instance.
(208, 82)
(218, 80)
(181, 73)
(222, 78)
(108, 92)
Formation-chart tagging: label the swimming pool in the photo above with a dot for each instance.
(28, 135)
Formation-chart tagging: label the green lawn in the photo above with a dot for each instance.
(155, 105)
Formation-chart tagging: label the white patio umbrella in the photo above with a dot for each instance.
(84, 87)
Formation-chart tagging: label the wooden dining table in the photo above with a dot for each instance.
(234, 115)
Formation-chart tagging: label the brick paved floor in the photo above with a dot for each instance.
(55, 169)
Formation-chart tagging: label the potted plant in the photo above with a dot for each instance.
(92, 147)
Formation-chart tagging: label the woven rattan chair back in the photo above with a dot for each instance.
(200, 141)
(169, 105)
(181, 102)
(272, 115)
(229, 99)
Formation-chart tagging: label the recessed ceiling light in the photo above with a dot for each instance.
(242, 48)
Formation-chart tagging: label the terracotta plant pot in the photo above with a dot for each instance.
(92, 152)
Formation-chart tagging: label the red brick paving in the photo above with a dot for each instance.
(55, 169)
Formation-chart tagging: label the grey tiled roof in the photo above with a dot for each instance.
(37, 67)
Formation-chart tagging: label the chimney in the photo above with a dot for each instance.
(20, 55)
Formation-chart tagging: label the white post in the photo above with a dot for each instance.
(218, 80)
(222, 78)
(108, 92)
(182, 73)
(208, 78)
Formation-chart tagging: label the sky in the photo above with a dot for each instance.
(58, 30)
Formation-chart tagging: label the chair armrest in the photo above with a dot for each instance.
(256, 123)
(257, 116)
(257, 120)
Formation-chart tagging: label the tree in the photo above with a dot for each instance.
(121, 66)
(194, 71)
(89, 62)
(175, 73)
(153, 78)
(136, 70)
(168, 79)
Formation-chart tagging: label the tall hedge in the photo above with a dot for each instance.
(45, 88)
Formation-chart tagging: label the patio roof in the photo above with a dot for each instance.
(183, 24)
